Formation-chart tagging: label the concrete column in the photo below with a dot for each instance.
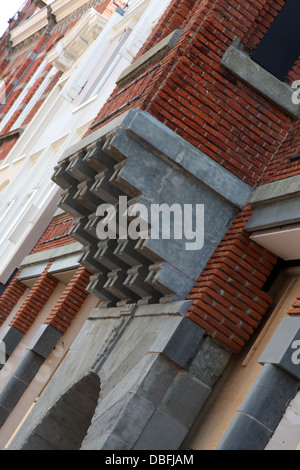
(38, 351)
(276, 385)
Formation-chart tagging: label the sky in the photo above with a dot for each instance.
(8, 8)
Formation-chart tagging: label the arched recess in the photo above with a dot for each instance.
(65, 425)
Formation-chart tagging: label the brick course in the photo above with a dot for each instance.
(10, 298)
(35, 301)
(70, 301)
(229, 300)
(56, 235)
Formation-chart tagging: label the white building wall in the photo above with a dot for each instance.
(29, 198)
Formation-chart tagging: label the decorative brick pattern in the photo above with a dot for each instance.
(35, 301)
(56, 235)
(10, 298)
(70, 301)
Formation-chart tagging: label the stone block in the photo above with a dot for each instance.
(28, 367)
(10, 396)
(45, 340)
(155, 54)
(184, 398)
(275, 215)
(269, 396)
(11, 339)
(209, 362)
(288, 188)
(184, 343)
(133, 419)
(277, 92)
(163, 432)
(158, 379)
(244, 433)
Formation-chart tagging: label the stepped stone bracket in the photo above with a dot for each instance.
(137, 158)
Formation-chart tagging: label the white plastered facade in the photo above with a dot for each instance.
(91, 56)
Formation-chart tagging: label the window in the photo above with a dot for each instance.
(280, 47)
(98, 79)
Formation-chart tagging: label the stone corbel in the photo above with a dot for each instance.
(75, 43)
(51, 20)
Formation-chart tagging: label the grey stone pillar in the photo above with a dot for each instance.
(39, 349)
(276, 385)
(11, 339)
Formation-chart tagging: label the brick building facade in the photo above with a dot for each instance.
(142, 342)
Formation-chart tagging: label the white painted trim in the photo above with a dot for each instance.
(60, 8)
(28, 203)
(29, 27)
(77, 40)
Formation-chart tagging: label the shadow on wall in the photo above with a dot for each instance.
(66, 424)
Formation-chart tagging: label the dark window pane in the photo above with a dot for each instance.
(280, 47)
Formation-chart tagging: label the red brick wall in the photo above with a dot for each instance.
(229, 300)
(70, 302)
(10, 298)
(56, 235)
(281, 167)
(191, 93)
(35, 301)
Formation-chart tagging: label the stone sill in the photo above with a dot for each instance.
(275, 204)
(53, 254)
(275, 91)
(282, 190)
(155, 54)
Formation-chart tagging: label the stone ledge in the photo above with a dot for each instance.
(159, 137)
(282, 190)
(155, 54)
(277, 92)
(55, 253)
(275, 215)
